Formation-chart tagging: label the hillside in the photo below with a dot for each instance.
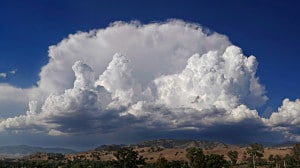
(173, 149)
(151, 150)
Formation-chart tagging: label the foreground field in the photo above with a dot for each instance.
(169, 153)
(153, 153)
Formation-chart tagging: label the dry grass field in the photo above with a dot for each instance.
(152, 154)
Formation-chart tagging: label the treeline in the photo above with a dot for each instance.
(253, 157)
(129, 158)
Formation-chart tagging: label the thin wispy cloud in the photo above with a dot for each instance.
(4, 75)
(14, 71)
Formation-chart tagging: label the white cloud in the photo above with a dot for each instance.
(160, 76)
(84, 106)
(288, 114)
(215, 79)
(286, 119)
(3, 75)
(81, 103)
(152, 49)
(117, 79)
(13, 101)
(14, 71)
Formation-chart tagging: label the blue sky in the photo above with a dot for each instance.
(267, 29)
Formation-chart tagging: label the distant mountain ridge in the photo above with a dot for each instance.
(112, 147)
(25, 150)
(280, 144)
(175, 143)
(168, 143)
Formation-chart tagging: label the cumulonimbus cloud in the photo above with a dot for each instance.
(169, 76)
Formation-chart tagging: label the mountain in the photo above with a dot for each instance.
(168, 143)
(175, 143)
(25, 150)
(112, 147)
(281, 144)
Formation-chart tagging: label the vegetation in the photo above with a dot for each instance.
(162, 162)
(130, 158)
(255, 151)
(233, 156)
(296, 152)
(197, 159)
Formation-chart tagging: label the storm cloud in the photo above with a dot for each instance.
(169, 77)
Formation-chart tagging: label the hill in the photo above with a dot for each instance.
(26, 150)
(167, 144)
(151, 150)
(174, 143)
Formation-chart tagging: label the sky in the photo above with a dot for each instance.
(81, 73)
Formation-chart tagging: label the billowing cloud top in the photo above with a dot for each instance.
(169, 76)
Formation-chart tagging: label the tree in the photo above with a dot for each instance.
(255, 150)
(271, 158)
(196, 157)
(128, 158)
(290, 161)
(215, 161)
(296, 152)
(178, 164)
(162, 162)
(276, 160)
(293, 160)
(233, 156)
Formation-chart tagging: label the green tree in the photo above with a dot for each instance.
(293, 160)
(290, 161)
(255, 151)
(178, 164)
(233, 156)
(215, 161)
(296, 152)
(162, 163)
(196, 157)
(128, 158)
(271, 158)
(276, 160)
